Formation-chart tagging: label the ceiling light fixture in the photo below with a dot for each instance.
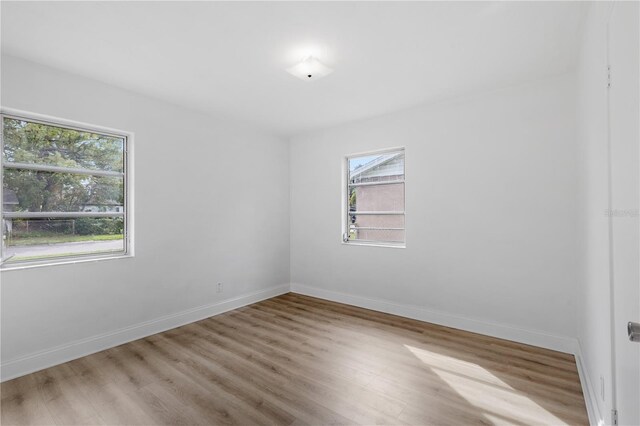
(309, 69)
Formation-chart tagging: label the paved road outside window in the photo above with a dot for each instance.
(65, 248)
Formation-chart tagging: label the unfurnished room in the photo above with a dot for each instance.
(313, 213)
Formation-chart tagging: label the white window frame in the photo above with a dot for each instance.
(127, 175)
(346, 220)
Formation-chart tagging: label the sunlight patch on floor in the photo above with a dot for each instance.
(500, 403)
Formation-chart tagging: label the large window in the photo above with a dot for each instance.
(64, 191)
(375, 198)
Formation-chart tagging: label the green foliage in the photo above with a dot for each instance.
(101, 226)
(42, 228)
(28, 142)
(352, 199)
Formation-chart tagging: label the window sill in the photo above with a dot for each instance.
(39, 264)
(353, 243)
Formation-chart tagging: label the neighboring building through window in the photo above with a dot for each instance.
(375, 198)
(64, 191)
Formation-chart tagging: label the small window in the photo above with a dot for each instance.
(375, 198)
(64, 192)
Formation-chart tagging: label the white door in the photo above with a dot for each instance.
(624, 117)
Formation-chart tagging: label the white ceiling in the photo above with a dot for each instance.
(229, 58)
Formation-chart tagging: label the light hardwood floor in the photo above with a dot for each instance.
(300, 360)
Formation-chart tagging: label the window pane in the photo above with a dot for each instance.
(377, 198)
(380, 235)
(377, 220)
(376, 184)
(34, 239)
(374, 227)
(36, 191)
(28, 142)
(377, 168)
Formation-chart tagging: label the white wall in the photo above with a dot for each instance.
(624, 136)
(594, 325)
(491, 207)
(228, 188)
(610, 244)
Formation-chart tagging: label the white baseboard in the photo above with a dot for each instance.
(529, 337)
(61, 354)
(588, 391)
(64, 353)
(502, 331)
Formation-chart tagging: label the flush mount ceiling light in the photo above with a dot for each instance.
(309, 69)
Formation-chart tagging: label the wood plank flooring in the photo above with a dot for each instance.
(295, 360)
